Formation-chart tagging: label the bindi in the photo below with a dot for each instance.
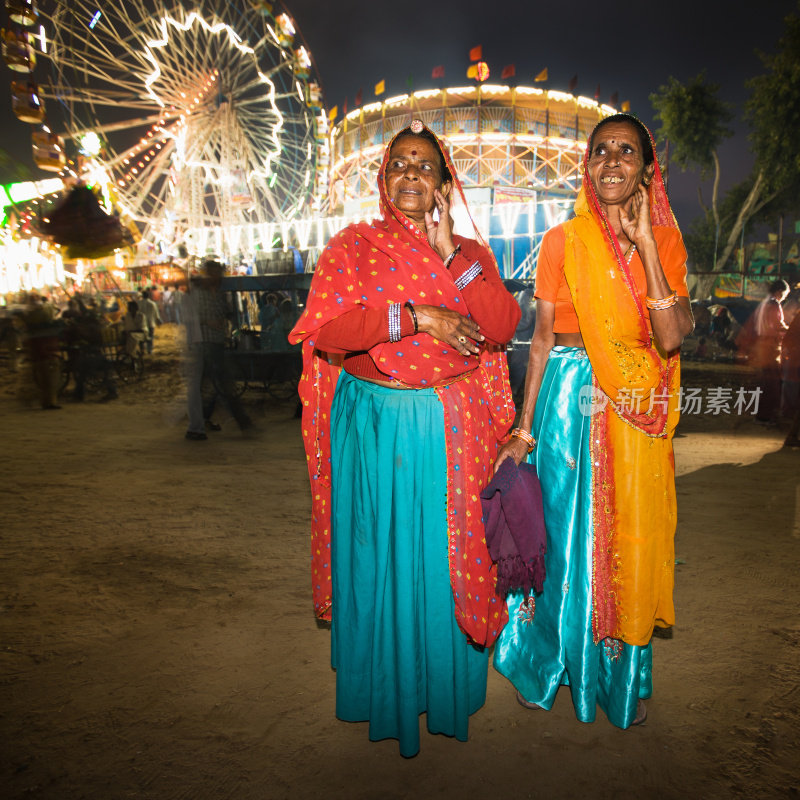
(413, 152)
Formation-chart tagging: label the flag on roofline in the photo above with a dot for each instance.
(472, 71)
(359, 96)
(438, 72)
(597, 92)
(332, 113)
(626, 106)
(614, 99)
(573, 84)
(542, 76)
(380, 87)
(509, 71)
(476, 53)
(344, 111)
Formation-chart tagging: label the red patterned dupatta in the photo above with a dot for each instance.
(642, 385)
(376, 264)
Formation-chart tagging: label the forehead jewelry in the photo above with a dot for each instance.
(416, 126)
(413, 152)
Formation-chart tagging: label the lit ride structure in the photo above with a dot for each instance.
(517, 151)
(203, 118)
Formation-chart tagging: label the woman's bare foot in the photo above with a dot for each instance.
(523, 702)
(641, 714)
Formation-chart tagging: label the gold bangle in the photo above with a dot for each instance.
(661, 303)
(519, 433)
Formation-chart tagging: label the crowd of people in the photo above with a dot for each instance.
(69, 339)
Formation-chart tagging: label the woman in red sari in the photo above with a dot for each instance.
(405, 398)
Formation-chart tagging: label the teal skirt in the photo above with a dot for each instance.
(555, 648)
(395, 644)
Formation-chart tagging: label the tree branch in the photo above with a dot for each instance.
(745, 212)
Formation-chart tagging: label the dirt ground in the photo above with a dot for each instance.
(157, 638)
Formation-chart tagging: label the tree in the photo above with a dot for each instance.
(694, 122)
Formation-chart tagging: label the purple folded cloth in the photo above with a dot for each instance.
(514, 521)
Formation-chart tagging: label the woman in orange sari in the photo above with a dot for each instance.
(600, 408)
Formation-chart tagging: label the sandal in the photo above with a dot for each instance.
(523, 702)
(641, 714)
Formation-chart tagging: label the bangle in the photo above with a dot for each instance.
(463, 280)
(414, 317)
(394, 322)
(519, 433)
(661, 303)
(452, 255)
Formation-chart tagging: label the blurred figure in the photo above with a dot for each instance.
(166, 303)
(11, 336)
(134, 328)
(761, 338)
(269, 319)
(43, 347)
(86, 344)
(206, 316)
(152, 317)
(790, 395)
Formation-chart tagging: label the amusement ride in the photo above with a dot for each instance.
(200, 129)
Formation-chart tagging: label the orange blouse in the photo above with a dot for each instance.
(551, 284)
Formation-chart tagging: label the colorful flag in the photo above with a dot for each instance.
(332, 113)
(344, 112)
(597, 92)
(573, 84)
(542, 76)
(410, 83)
(626, 106)
(380, 87)
(476, 54)
(438, 72)
(359, 96)
(472, 71)
(509, 71)
(614, 99)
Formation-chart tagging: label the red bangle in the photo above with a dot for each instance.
(519, 433)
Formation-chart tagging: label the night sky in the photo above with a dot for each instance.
(630, 48)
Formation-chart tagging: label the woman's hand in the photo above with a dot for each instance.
(450, 327)
(440, 237)
(636, 224)
(514, 448)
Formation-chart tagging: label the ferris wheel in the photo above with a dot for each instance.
(202, 115)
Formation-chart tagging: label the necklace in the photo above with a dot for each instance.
(629, 253)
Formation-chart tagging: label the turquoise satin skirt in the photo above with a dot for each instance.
(556, 647)
(396, 647)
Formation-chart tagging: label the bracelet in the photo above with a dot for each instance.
(452, 255)
(519, 433)
(414, 317)
(394, 322)
(468, 276)
(661, 303)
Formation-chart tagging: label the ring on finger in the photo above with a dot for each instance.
(462, 339)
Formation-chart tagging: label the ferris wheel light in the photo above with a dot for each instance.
(95, 19)
(90, 144)
(42, 39)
